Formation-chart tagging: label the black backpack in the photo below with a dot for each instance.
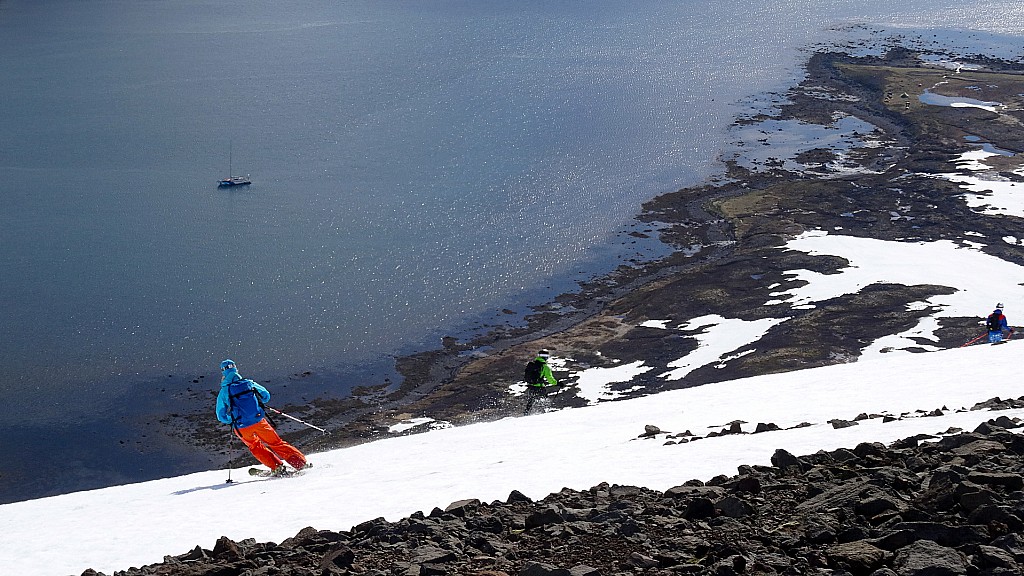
(995, 322)
(532, 372)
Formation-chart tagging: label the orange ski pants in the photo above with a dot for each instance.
(264, 443)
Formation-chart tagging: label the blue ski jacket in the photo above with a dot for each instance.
(1001, 319)
(236, 402)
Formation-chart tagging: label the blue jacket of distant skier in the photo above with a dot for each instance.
(997, 324)
(236, 402)
(1000, 320)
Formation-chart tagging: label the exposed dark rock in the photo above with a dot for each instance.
(541, 569)
(699, 508)
(1007, 480)
(543, 517)
(650, 431)
(991, 557)
(460, 507)
(747, 483)
(226, 549)
(432, 555)
(765, 427)
(861, 556)
(517, 496)
(837, 423)
(339, 556)
(926, 558)
(734, 507)
(786, 461)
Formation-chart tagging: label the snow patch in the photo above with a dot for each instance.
(719, 336)
(594, 384)
(662, 324)
(415, 422)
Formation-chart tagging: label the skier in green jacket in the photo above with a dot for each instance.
(538, 378)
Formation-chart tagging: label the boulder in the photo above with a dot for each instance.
(548, 515)
(459, 507)
(785, 461)
(432, 555)
(542, 569)
(861, 556)
(1006, 480)
(733, 507)
(339, 556)
(927, 558)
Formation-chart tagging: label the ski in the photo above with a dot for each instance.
(265, 473)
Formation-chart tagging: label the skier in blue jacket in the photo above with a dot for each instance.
(240, 404)
(997, 325)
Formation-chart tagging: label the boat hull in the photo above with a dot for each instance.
(234, 181)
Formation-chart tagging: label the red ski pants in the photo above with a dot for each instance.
(264, 443)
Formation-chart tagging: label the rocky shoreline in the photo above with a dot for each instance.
(931, 505)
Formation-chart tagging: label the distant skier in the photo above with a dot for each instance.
(240, 403)
(538, 378)
(997, 325)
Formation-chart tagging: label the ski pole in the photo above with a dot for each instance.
(296, 419)
(975, 340)
(229, 480)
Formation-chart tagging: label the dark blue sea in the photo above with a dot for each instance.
(416, 167)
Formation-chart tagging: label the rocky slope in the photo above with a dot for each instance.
(924, 506)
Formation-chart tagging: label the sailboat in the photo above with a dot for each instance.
(233, 180)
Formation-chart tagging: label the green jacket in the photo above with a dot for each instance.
(545, 374)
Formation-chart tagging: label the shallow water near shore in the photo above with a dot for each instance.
(416, 169)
